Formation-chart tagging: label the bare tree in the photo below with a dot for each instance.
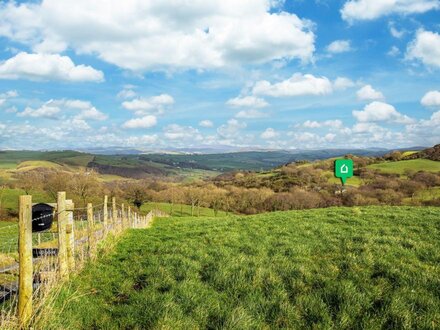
(29, 180)
(56, 181)
(85, 184)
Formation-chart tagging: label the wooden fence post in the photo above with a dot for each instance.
(105, 218)
(25, 261)
(122, 216)
(70, 235)
(90, 229)
(62, 238)
(114, 214)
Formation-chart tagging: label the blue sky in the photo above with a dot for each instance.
(157, 75)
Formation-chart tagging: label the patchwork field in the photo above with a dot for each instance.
(412, 165)
(336, 268)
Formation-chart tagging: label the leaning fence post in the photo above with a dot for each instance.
(105, 219)
(90, 229)
(70, 235)
(62, 245)
(25, 259)
(114, 214)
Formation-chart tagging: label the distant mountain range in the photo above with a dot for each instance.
(229, 149)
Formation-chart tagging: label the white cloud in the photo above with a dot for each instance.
(141, 140)
(93, 114)
(425, 48)
(9, 94)
(178, 132)
(142, 35)
(371, 9)
(126, 93)
(297, 85)
(394, 51)
(395, 32)
(380, 111)
(47, 110)
(335, 124)
(47, 67)
(231, 129)
(431, 99)
(247, 101)
(339, 46)
(329, 137)
(143, 122)
(269, 133)
(11, 110)
(206, 123)
(342, 83)
(54, 109)
(154, 104)
(250, 114)
(368, 93)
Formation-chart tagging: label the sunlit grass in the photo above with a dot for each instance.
(401, 166)
(336, 268)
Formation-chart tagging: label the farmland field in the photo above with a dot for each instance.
(179, 210)
(401, 166)
(335, 268)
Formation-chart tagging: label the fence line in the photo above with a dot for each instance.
(48, 258)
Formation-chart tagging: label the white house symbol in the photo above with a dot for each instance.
(344, 169)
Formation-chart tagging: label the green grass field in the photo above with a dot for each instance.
(179, 210)
(9, 199)
(336, 268)
(401, 166)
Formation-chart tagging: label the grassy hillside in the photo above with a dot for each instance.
(337, 268)
(407, 165)
(179, 210)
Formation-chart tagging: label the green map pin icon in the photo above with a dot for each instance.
(343, 169)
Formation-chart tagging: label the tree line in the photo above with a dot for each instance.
(299, 185)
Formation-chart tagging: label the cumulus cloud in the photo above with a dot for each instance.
(247, 101)
(47, 67)
(354, 10)
(395, 32)
(155, 104)
(251, 114)
(54, 109)
(142, 35)
(182, 133)
(342, 83)
(380, 111)
(297, 85)
(7, 95)
(127, 93)
(143, 122)
(269, 134)
(48, 110)
(425, 48)
(431, 99)
(335, 124)
(368, 93)
(339, 46)
(231, 129)
(206, 123)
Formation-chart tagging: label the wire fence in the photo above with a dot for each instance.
(57, 252)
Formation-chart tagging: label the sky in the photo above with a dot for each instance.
(236, 74)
